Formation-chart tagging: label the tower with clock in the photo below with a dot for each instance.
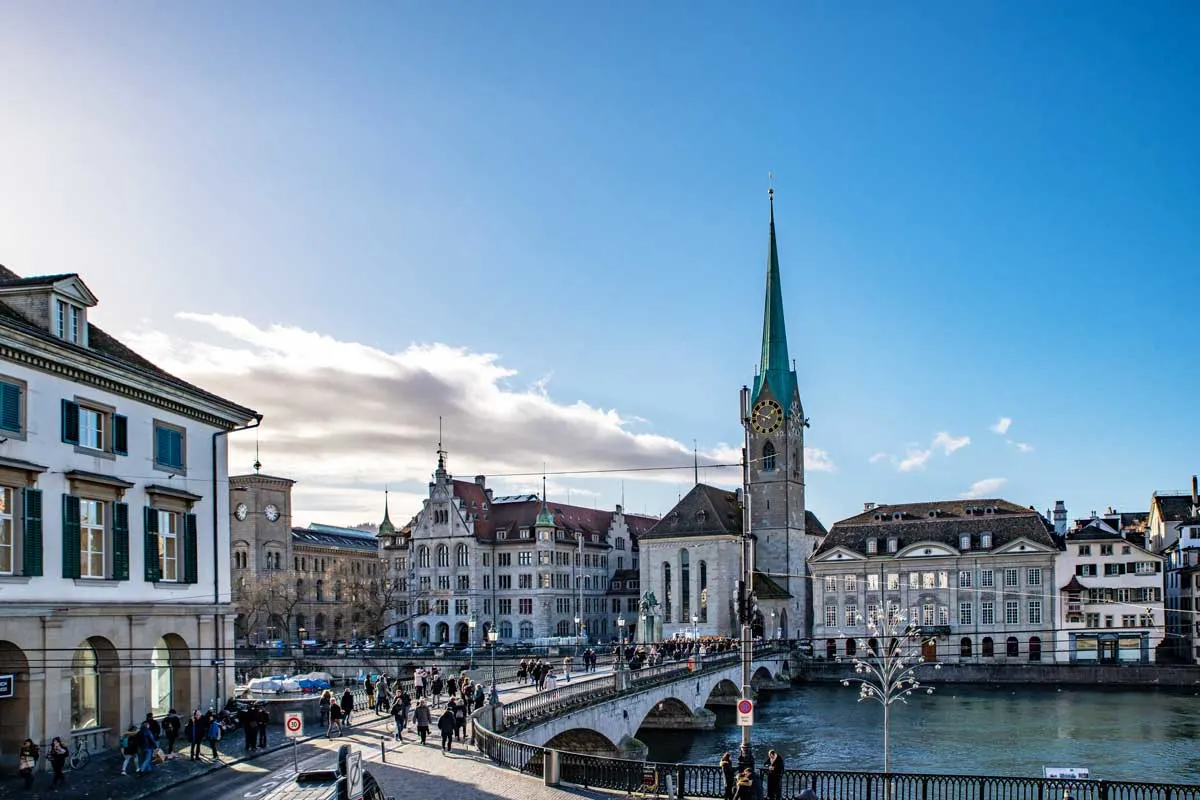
(774, 420)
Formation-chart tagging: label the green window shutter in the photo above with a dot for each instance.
(168, 447)
(153, 572)
(10, 407)
(31, 545)
(70, 536)
(70, 422)
(162, 449)
(190, 554)
(120, 548)
(120, 435)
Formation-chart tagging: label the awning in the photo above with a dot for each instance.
(1074, 585)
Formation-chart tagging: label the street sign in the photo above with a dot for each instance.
(745, 713)
(354, 775)
(1066, 772)
(293, 724)
(6, 686)
(217, 662)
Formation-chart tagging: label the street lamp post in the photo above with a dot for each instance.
(620, 666)
(695, 629)
(471, 623)
(578, 628)
(493, 637)
(301, 632)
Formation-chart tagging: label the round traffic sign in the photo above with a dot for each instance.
(294, 723)
(745, 706)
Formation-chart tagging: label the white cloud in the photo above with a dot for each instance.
(1022, 447)
(1001, 426)
(875, 459)
(345, 418)
(916, 457)
(950, 443)
(983, 488)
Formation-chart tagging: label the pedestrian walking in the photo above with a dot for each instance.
(171, 726)
(326, 699)
(398, 718)
(422, 717)
(194, 732)
(58, 760)
(446, 726)
(335, 720)
(27, 760)
(567, 668)
(460, 721)
(774, 776)
(147, 744)
(347, 706)
(419, 683)
(730, 775)
(128, 745)
(436, 686)
(213, 734)
(479, 695)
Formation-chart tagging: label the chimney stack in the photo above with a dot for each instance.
(481, 481)
(1060, 518)
(1195, 500)
(868, 506)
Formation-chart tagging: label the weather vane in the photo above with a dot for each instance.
(770, 184)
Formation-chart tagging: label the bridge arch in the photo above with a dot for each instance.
(723, 692)
(583, 740)
(761, 674)
(667, 713)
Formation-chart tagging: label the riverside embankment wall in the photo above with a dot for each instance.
(1124, 675)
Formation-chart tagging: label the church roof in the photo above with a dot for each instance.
(775, 369)
(765, 588)
(712, 511)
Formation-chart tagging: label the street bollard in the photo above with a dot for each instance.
(383, 749)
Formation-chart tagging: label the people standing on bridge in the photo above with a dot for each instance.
(551, 685)
(774, 776)
(522, 670)
(370, 687)
(479, 695)
(567, 668)
(422, 717)
(745, 786)
(446, 726)
(248, 717)
(730, 775)
(264, 717)
(347, 706)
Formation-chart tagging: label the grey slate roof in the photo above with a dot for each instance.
(712, 511)
(942, 521)
(365, 541)
(1173, 507)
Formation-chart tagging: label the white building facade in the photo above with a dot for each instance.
(1174, 533)
(114, 539)
(975, 576)
(1111, 603)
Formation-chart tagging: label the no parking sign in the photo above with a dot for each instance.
(745, 712)
(293, 724)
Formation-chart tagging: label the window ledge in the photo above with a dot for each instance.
(107, 583)
(87, 451)
(171, 586)
(17, 579)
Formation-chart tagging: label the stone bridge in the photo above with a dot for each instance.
(605, 719)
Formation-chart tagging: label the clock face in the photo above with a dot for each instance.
(241, 511)
(271, 512)
(766, 417)
(795, 419)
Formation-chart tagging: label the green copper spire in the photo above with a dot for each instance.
(386, 528)
(775, 370)
(544, 518)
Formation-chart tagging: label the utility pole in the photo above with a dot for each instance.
(745, 611)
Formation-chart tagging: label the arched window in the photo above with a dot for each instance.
(831, 649)
(768, 459)
(321, 624)
(443, 554)
(987, 648)
(873, 646)
(851, 647)
(320, 597)
(526, 630)
(462, 556)
(402, 630)
(423, 556)
(337, 594)
(160, 678)
(299, 588)
(964, 647)
(1035, 648)
(505, 629)
(685, 586)
(703, 591)
(1012, 648)
(85, 688)
(666, 591)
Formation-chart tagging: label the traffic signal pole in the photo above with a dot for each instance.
(746, 585)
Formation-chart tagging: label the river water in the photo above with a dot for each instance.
(1147, 735)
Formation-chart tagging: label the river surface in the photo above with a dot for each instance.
(1147, 735)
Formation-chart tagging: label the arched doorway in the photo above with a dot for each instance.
(1035, 648)
(831, 649)
(756, 625)
(95, 685)
(170, 675)
(442, 634)
(964, 647)
(851, 647)
(929, 650)
(987, 647)
(14, 722)
(462, 633)
(1012, 647)
(423, 633)
(783, 626)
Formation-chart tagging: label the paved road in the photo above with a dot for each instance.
(410, 770)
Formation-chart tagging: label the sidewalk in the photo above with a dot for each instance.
(101, 778)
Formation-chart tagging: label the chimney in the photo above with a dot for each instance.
(488, 492)
(868, 506)
(1060, 518)
(1195, 501)
(481, 481)
(620, 510)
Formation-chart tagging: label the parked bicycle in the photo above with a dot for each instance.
(80, 755)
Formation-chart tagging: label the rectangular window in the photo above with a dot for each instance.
(1108, 620)
(943, 615)
(985, 579)
(425, 583)
(1085, 549)
(1092, 620)
(914, 580)
(851, 583)
(525, 557)
(504, 559)
(525, 581)
(1106, 549)
(1012, 612)
(524, 533)
(830, 616)
(464, 583)
(487, 581)
(168, 545)
(505, 605)
(503, 581)
(1145, 567)
(67, 321)
(545, 580)
(893, 581)
(893, 544)
(487, 605)
(526, 605)
(8, 547)
(987, 613)
(964, 541)
(1035, 612)
(1033, 576)
(487, 559)
(927, 614)
(966, 614)
(851, 615)
(91, 428)
(964, 579)
(443, 582)
(1129, 620)
(1147, 620)
(169, 447)
(460, 608)
(12, 406)
(442, 607)
(91, 539)
(831, 583)
(928, 580)
(873, 583)
(872, 546)
(872, 613)
(985, 540)
(1010, 577)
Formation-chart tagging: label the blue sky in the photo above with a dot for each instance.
(985, 211)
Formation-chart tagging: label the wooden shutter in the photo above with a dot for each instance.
(10, 407)
(70, 537)
(70, 422)
(120, 435)
(190, 554)
(31, 544)
(162, 446)
(120, 545)
(150, 545)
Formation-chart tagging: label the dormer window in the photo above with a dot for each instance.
(68, 320)
(893, 544)
(985, 540)
(964, 541)
(872, 546)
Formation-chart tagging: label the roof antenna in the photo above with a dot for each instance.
(695, 463)
(441, 453)
(543, 483)
(257, 462)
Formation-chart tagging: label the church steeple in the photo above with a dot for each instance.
(775, 369)
(386, 528)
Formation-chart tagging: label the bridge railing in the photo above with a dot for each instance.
(705, 780)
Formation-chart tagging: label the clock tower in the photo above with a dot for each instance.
(774, 421)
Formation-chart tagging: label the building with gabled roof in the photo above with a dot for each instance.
(1174, 533)
(976, 576)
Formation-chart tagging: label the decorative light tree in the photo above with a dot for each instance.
(888, 671)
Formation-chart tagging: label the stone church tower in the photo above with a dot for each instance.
(785, 535)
